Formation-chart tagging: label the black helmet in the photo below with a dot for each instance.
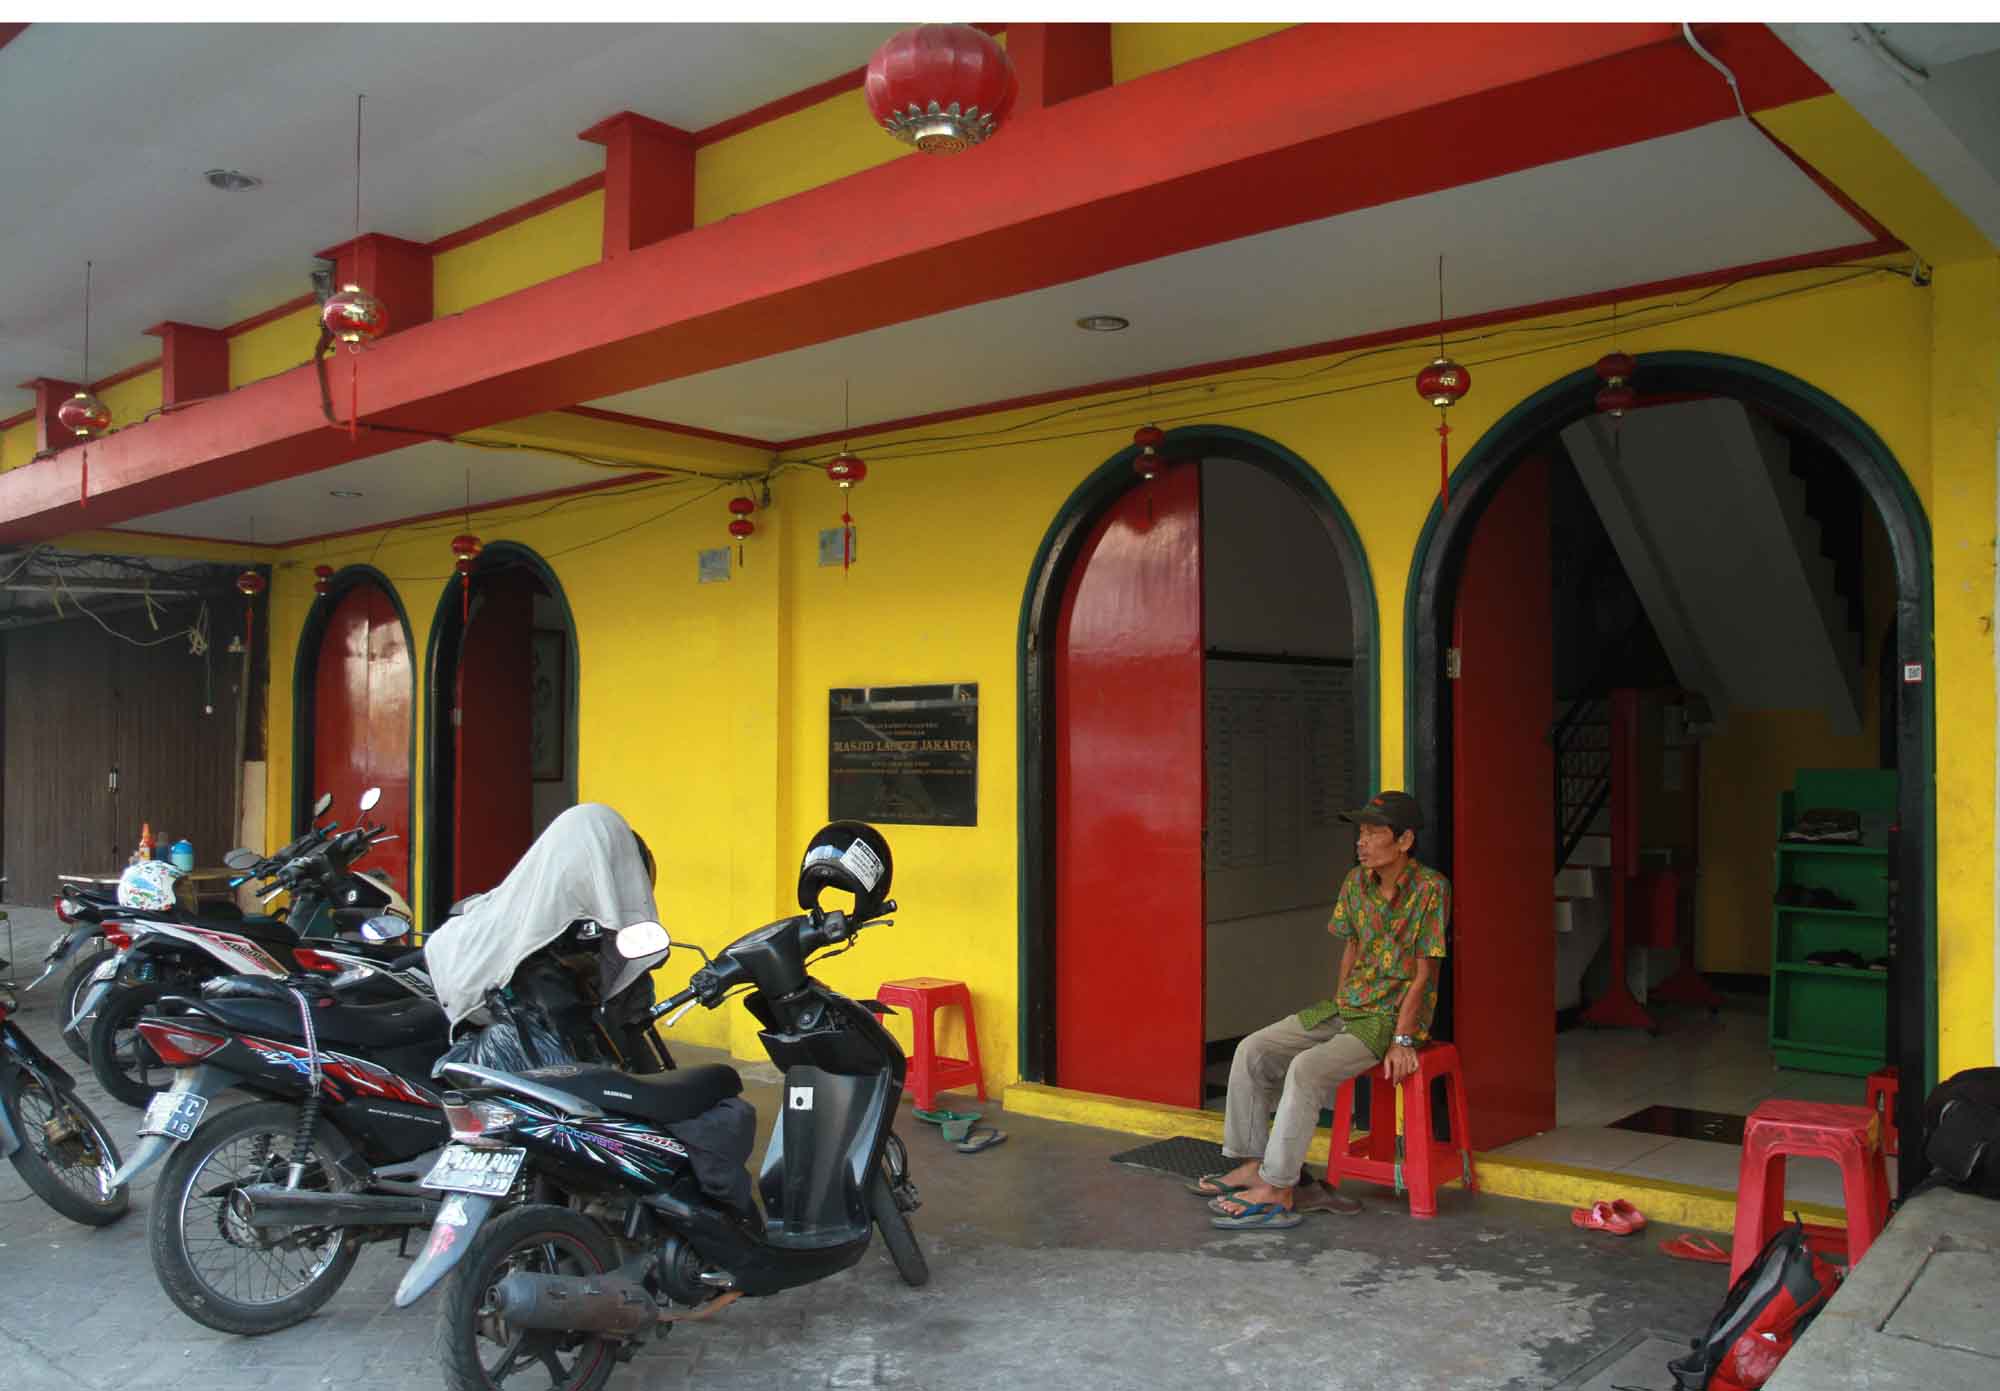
(851, 856)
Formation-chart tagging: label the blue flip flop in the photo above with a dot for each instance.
(1258, 1217)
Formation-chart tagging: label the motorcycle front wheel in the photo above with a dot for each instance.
(891, 1220)
(220, 1270)
(66, 1154)
(479, 1350)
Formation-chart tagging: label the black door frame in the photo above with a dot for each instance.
(1434, 575)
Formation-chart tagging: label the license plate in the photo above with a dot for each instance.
(173, 1113)
(463, 1169)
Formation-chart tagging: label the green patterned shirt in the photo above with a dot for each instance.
(1392, 933)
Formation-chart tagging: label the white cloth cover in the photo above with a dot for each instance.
(585, 865)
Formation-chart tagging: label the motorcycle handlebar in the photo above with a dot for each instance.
(709, 984)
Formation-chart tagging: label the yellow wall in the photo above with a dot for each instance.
(1137, 49)
(271, 348)
(129, 401)
(565, 238)
(702, 708)
(17, 445)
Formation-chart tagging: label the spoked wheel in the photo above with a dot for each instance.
(219, 1269)
(479, 1350)
(66, 1154)
(891, 1199)
(124, 1062)
(75, 985)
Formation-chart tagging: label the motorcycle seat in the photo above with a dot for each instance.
(660, 1097)
(397, 1025)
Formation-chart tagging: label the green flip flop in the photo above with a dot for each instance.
(1257, 1217)
(942, 1117)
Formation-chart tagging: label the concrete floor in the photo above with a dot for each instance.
(1051, 1267)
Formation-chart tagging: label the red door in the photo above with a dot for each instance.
(492, 796)
(1503, 817)
(361, 721)
(1130, 777)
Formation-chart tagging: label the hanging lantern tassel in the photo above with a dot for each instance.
(83, 499)
(1442, 383)
(466, 547)
(846, 470)
(250, 584)
(740, 526)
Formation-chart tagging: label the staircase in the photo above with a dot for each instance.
(1581, 736)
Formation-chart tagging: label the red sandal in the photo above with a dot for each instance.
(1618, 1217)
(1690, 1247)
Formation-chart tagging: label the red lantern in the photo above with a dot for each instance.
(83, 415)
(940, 87)
(466, 547)
(249, 584)
(322, 579)
(846, 470)
(742, 527)
(1147, 463)
(1442, 383)
(1616, 396)
(354, 316)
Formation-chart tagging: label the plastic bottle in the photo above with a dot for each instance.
(144, 851)
(181, 855)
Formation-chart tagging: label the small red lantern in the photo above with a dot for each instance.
(466, 547)
(250, 584)
(740, 525)
(846, 470)
(1148, 464)
(354, 316)
(1442, 383)
(83, 415)
(322, 579)
(940, 87)
(1616, 396)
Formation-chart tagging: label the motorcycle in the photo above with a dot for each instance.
(262, 1208)
(585, 1210)
(58, 1146)
(169, 956)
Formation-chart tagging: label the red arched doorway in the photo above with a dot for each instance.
(361, 686)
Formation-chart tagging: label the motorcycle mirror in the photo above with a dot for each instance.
(386, 928)
(320, 807)
(370, 798)
(240, 858)
(642, 940)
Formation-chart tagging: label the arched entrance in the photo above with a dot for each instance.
(354, 722)
(500, 747)
(1440, 563)
(1170, 632)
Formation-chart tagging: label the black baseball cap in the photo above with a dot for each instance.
(1396, 810)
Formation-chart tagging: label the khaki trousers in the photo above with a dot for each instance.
(1294, 1072)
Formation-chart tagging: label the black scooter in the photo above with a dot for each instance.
(626, 1204)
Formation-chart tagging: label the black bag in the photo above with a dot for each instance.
(1962, 1131)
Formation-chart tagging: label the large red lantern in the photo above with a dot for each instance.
(466, 547)
(1442, 383)
(354, 317)
(83, 415)
(940, 87)
(1616, 396)
(250, 584)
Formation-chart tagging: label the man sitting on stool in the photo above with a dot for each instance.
(1391, 915)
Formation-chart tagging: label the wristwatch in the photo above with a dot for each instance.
(1404, 1040)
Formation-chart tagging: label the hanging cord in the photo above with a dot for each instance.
(1687, 32)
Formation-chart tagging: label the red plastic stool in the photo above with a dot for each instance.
(1848, 1135)
(929, 1074)
(1882, 1101)
(1411, 1160)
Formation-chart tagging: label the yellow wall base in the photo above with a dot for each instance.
(1669, 1204)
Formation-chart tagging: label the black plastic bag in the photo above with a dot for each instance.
(519, 1038)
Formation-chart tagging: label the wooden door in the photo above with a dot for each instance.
(1503, 817)
(493, 798)
(362, 687)
(176, 747)
(1129, 801)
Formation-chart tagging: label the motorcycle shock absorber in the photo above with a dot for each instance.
(309, 1112)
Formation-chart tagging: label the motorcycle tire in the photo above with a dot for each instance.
(897, 1234)
(91, 1200)
(75, 985)
(528, 1237)
(187, 1193)
(124, 1063)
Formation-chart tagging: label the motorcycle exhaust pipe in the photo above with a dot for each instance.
(575, 1303)
(274, 1205)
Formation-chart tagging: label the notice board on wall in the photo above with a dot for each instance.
(1282, 766)
(906, 755)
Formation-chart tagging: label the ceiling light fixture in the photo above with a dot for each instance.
(341, 492)
(1104, 323)
(231, 180)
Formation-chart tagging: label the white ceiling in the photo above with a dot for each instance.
(1717, 196)
(111, 127)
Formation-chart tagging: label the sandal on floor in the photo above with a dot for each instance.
(1257, 1217)
(1691, 1247)
(981, 1137)
(1605, 1217)
(1214, 1186)
(942, 1117)
(958, 1127)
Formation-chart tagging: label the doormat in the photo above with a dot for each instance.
(1685, 1123)
(1183, 1156)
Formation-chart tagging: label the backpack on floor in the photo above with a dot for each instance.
(1962, 1131)
(1761, 1317)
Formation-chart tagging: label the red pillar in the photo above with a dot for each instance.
(194, 362)
(50, 433)
(648, 180)
(1055, 62)
(395, 271)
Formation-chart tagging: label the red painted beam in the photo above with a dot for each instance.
(1058, 61)
(194, 362)
(1306, 123)
(648, 180)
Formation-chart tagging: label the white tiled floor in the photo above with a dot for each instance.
(1719, 1063)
